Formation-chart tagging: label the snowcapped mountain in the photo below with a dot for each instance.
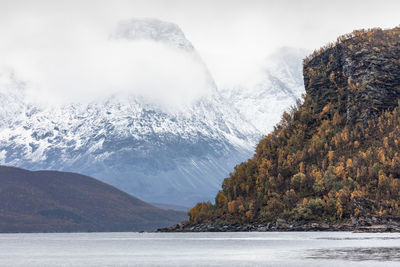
(162, 156)
(177, 156)
(280, 84)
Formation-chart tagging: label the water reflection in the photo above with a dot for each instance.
(360, 238)
(325, 249)
(357, 254)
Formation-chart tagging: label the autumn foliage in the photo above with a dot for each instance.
(317, 163)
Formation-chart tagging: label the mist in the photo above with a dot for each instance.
(64, 63)
(62, 50)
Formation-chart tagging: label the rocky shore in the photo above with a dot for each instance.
(371, 225)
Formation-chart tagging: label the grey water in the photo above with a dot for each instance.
(201, 249)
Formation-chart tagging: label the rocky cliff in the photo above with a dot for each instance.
(334, 159)
(360, 73)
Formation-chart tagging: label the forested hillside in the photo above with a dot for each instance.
(335, 155)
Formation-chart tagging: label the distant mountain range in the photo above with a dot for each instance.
(51, 201)
(281, 84)
(161, 156)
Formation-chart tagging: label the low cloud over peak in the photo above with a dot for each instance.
(148, 58)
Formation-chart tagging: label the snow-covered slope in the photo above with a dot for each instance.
(161, 157)
(278, 88)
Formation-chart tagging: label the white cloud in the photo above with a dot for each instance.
(78, 62)
(96, 70)
(62, 47)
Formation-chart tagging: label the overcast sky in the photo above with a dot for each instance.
(233, 37)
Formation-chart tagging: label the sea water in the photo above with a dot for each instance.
(201, 249)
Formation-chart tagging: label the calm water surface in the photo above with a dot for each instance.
(200, 249)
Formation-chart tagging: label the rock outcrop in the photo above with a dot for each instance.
(361, 224)
(360, 70)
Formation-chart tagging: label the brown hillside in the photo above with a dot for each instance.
(50, 201)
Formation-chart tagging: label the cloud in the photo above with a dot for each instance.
(95, 70)
(62, 47)
(64, 62)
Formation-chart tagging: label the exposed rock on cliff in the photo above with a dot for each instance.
(361, 71)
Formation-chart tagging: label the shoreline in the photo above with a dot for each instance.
(363, 225)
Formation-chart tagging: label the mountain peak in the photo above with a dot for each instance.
(155, 30)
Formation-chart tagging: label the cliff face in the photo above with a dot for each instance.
(337, 149)
(362, 72)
